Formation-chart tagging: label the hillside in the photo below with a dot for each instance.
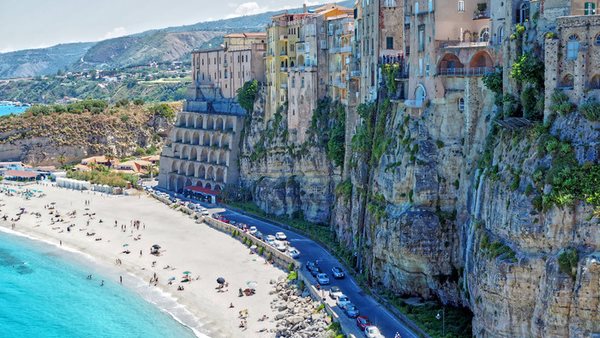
(66, 134)
(159, 45)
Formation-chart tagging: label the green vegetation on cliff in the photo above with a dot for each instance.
(246, 95)
(328, 129)
(102, 175)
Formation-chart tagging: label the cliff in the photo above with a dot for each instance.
(56, 138)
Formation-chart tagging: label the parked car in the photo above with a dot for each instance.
(315, 271)
(270, 242)
(338, 273)
(351, 310)
(362, 322)
(253, 230)
(335, 292)
(323, 279)
(310, 265)
(373, 332)
(205, 213)
(280, 246)
(259, 235)
(293, 252)
(281, 236)
(342, 301)
(270, 238)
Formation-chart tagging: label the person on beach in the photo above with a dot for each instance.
(102, 283)
(121, 279)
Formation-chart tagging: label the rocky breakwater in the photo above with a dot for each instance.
(298, 315)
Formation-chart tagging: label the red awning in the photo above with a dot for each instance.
(202, 190)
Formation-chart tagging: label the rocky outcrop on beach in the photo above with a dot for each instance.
(299, 316)
(60, 138)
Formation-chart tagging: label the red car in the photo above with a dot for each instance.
(362, 322)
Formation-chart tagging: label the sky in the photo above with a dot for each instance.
(28, 24)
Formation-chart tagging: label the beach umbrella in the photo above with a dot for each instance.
(187, 273)
(254, 247)
(221, 280)
(252, 284)
(156, 246)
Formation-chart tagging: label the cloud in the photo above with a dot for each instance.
(247, 8)
(115, 33)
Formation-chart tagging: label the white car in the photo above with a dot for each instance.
(280, 246)
(342, 300)
(372, 332)
(280, 236)
(270, 238)
(335, 292)
(205, 213)
(323, 279)
(253, 230)
(293, 252)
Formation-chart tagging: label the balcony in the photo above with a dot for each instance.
(482, 11)
(417, 104)
(476, 71)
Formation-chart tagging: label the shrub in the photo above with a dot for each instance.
(247, 95)
(261, 250)
(292, 276)
(528, 69)
(344, 190)
(124, 118)
(561, 103)
(291, 267)
(138, 102)
(511, 106)
(529, 102)
(439, 144)
(591, 110)
(567, 262)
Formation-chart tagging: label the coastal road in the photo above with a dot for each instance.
(312, 251)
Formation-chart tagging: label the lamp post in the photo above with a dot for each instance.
(443, 318)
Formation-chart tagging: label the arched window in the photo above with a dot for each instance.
(597, 40)
(484, 36)
(595, 82)
(461, 104)
(420, 95)
(500, 35)
(524, 12)
(572, 47)
(567, 82)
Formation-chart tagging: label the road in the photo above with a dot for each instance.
(387, 323)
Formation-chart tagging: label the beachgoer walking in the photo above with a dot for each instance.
(102, 284)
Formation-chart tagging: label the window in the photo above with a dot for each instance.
(389, 42)
(500, 35)
(421, 38)
(567, 82)
(484, 36)
(598, 40)
(430, 5)
(461, 104)
(595, 82)
(390, 3)
(416, 8)
(572, 47)
(427, 70)
(461, 5)
(589, 8)
(524, 12)
(302, 83)
(420, 67)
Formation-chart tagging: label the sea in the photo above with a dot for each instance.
(45, 293)
(6, 109)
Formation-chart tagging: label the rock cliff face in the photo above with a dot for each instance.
(445, 204)
(60, 138)
(285, 178)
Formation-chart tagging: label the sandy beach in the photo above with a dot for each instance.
(185, 246)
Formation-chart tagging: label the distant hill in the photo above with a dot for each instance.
(159, 45)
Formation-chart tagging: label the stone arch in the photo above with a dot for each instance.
(204, 155)
(188, 183)
(222, 157)
(484, 34)
(190, 121)
(210, 173)
(567, 82)
(193, 154)
(185, 152)
(225, 141)
(201, 173)
(218, 187)
(181, 170)
(450, 64)
(187, 136)
(177, 150)
(206, 140)
(523, 12)
(220, 175)
(214, 139)
(198, 183)
(174, 167)
(595, 82)
(219, 124)
(180, 184)
(210, 123)
(178, 135)
(172, 183)
(212, 157)
(420, 94)
(208, 186)
(180, 120)
(230, 124)
(190, 170)
(195, 138)
(301, 60)
(481, 59)
(198, 122)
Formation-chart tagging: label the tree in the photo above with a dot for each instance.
(247, 95)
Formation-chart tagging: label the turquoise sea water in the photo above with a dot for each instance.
(7, 110)
(45, 294)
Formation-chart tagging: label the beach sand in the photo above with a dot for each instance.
(185, 245)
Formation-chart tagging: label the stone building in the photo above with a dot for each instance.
(572, 58)
(241, 59)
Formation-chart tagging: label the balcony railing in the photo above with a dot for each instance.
(476, 71)
(485, 14)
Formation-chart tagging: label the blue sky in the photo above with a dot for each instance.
(41, 23)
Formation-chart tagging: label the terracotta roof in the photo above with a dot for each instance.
(20, 174)
(202, 190)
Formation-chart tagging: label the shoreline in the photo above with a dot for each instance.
(78, 257)
(202, 310)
